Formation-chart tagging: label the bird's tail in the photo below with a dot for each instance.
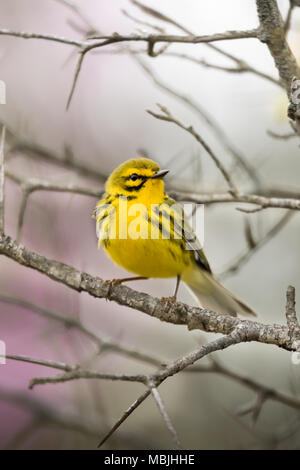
(213, 296)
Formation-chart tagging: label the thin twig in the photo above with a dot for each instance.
(288, 20)
(46, 37)
(68, 421)
(240, 63)
(91, 27)
(275, 135)
(104, 344)
(41, 362)
(177, 366)
(143, 23)
(71, 372)
(291, 315)
(109, 345)
(78, 373)
(124, 416)
(151, 40)
(167, 116)
(256, 245)
(240, 67)
(172, 38)
(33, 184)
(177, 313)
(263, 201)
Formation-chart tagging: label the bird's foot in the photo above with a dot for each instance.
(110, 283)
(114, 282)
(169, 301)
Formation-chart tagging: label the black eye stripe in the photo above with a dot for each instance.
(137, 187)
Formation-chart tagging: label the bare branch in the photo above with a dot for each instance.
(293, 110)
(31, 185)
(287, 23)
(62, 419)
(167, 116)
(104, 344)
(75, 79)
(273, 34)
(262, 201)
(282, 199)
(291, 315)
(213, 367)
(177, 313)
(234, 330)
(254, 407)
(71, 372)
(41, 362)
(151, 40)
(143, 23)
(46, 37)
(171, 38)
(236, 336)
(241, 65)
(275, 135)
(256, 245)
(35, 151)
(239, 334)
(25, 196)
(78, 373)
(267, 392)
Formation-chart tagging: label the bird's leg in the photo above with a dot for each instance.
(177, 286)
(173, 298)
(114, 282)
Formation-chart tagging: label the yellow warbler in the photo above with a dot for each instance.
(145, 231)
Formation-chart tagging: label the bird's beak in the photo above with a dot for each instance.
(160, 174)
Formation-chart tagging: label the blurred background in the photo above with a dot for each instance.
(105, 125)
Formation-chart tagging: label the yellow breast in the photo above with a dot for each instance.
(136, 244)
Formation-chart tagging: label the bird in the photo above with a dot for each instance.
(144, 231)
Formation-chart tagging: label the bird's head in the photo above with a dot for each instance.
(139, 177)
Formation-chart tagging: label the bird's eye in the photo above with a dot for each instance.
(134, 177)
